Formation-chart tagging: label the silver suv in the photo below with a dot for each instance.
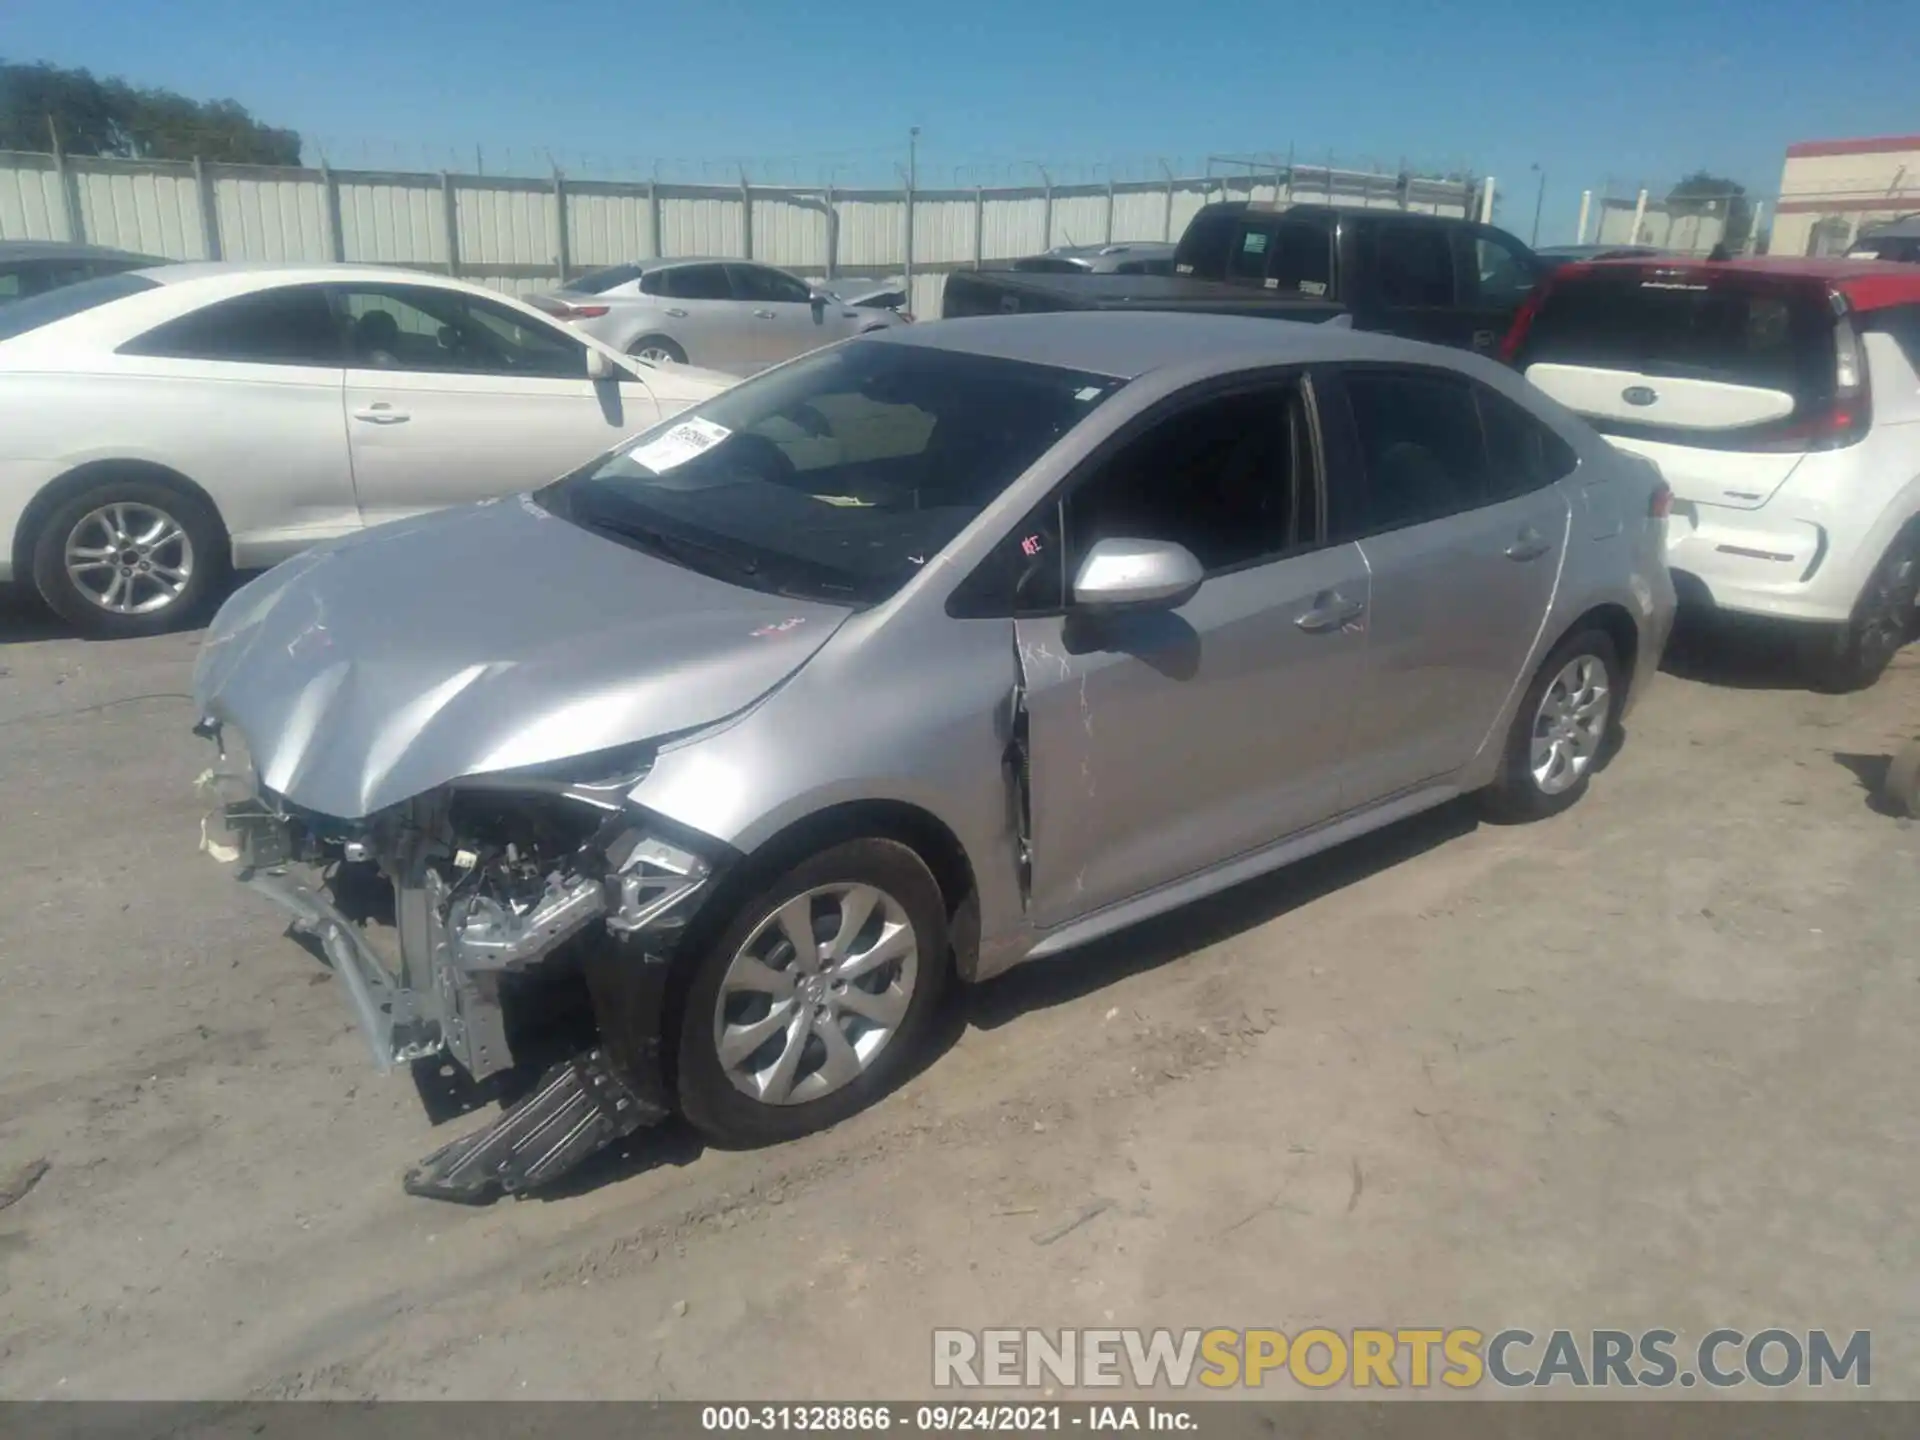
(937, 652)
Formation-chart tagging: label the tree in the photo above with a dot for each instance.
(114, 117)
(1702, 193)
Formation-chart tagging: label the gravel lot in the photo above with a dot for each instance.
(1651, 1063)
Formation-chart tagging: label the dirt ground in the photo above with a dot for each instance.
(1648, 1064)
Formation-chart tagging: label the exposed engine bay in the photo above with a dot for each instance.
(502, 924)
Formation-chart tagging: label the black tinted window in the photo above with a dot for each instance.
(1302, 259)
(597, 282)
(1203, 246)
(1503, 273)
(416, 327)
(1523, 454)
(1411, 264)
(1229, 478)
(696, 282)
(292, 325)
(757, 282)
(37, 310)
(1420, 444)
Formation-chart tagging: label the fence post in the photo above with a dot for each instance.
(746, 216)
(1639, 217)
(1046, 213)
(1486, 201)
(209, 212)
(907, 221)
(653, 216)
(450, 222)
(979, 226)
(833, 235)
(69, 196)
(1755, 218)
(1166, 219)
(330, 197)
(1586, 208)
(1109, 207)
(560, 231)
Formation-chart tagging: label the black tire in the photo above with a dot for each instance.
(672, 350)
(1901, 788)
(1843, 658)
(1515, 796)
(710, 1100)
(203, 536)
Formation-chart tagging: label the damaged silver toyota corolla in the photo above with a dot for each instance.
(687, 781)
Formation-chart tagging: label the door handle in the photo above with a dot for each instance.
(1330, 612)
(676, 312)
(381, 413)
(765, 314)
(1529, 545)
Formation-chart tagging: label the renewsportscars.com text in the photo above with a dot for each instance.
(1458, 1358)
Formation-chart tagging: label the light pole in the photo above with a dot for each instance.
(1539, 200)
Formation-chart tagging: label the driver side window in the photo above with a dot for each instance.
(418, 328)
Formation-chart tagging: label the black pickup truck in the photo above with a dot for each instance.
(1428, 277)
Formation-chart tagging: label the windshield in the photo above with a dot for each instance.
(838, 476)
(45, 308)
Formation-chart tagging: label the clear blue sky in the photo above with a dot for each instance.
(1625, 89)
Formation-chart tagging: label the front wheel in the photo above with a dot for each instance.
(658, 350)
(815, 997)
(133, 556)
(1560, 731)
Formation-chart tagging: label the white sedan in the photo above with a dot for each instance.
(162, 426)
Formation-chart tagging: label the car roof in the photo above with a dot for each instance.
(1126, 346)
(1867, 284)
(65, 250)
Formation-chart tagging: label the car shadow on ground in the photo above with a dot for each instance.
(1871, 772)
(23, 618)
(1152, 943)
(1734, 652)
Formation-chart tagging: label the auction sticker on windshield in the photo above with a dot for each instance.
(685, 441)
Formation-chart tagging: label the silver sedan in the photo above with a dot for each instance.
(942, 651)
(731, 315)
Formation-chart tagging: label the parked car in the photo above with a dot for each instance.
(158, 426)
(1781, 400)
(1897, 240)
(969, 293)
(32, 267)
(1129, 257)
(732, 315)
(1427, 277)
(942, 650)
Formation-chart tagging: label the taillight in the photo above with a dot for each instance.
(1522, 322)
(585, 312)
(561, 310)
(1661, 504)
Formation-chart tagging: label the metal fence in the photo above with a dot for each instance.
(519, 234)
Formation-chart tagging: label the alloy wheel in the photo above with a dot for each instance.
(129, 558)
(1887, 608)
(1570, 724)
(815, 993)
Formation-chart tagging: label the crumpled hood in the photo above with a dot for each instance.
(487, 638)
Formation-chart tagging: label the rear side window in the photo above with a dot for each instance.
(696, 282)
(1770, 337)
(1204, 244)
(1301, 261)
(1523, 454)
(49, 306)
(1421, 446)
(292, 325)
(1411, 264)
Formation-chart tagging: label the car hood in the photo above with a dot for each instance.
(476, 640)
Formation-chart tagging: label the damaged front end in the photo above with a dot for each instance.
(515, 925)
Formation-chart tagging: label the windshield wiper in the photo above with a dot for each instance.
(691, 553)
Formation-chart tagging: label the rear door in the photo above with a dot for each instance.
(1404, 279)
(1463, 553)
(451, 398)
(1497, 274)
(1705, 374)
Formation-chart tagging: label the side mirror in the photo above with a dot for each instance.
(600, 366)
(1122, 575)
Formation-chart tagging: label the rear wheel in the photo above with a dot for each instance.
(130, 556)
(658, 349)
(816, 996)
(1854, 655)
(1560, 730)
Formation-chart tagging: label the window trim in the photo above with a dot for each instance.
(1298, 377)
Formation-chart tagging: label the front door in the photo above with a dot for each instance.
(1463, 540)
(452, 398)
(713, 326)
(784, 321)
(1163, 742)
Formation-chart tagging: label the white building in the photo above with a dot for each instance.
(1831, 189)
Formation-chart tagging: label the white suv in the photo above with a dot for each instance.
(1781, 400)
